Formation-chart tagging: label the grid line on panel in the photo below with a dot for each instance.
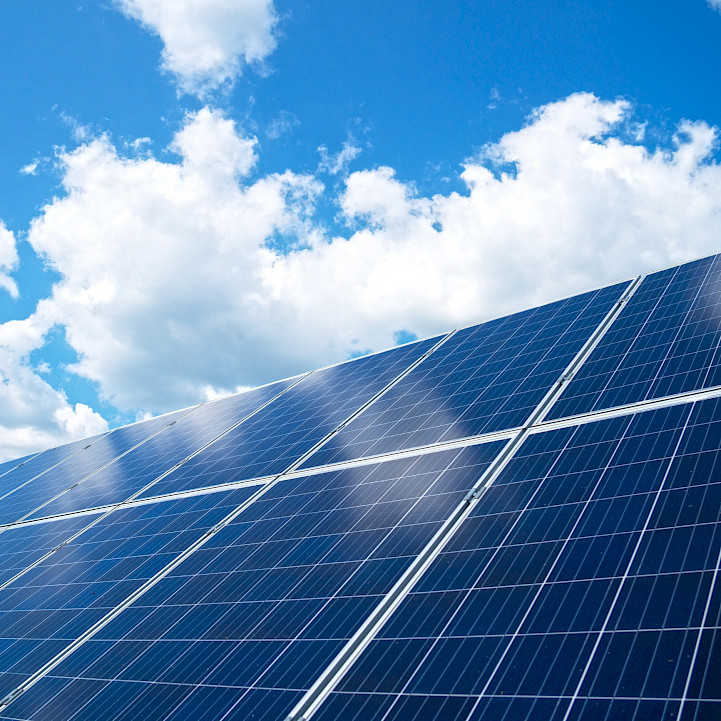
(202, 540)
(540, 427)
(335, 671)
(697, 646)
(22, 463)
(46, 470)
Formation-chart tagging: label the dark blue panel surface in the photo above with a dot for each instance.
(60, 598)
(73, 463)
(22, 545)
(133, 471)
(277, 436)
(665, 341)
(576, 589)
(245, 625)
(485, 378)
(38, 465)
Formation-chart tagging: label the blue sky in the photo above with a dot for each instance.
(200, 196)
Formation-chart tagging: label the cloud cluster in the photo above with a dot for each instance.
(174, 282)
(207, 42)
(8, 260)
(33, 415)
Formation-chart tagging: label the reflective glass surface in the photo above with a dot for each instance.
(269, 442)
(60, 598)
(485, 378)
(578, 587)
(133, 471)
(665, 341)
(247, 623)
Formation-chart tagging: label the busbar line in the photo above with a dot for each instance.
(542, 427)
(340, 665)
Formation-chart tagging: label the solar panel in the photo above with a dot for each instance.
(281, 433)
(434, 532)
(666, 341)
(141, 466)
(484, 379)
(576, 589)
(270, 599)
(74, 465)
(60, 598)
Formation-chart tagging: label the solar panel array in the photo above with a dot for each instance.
(516, 520)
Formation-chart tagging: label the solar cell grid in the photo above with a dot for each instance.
(17, 477)
(127, 475)
(246, 623)
(20, 546)
(485, 378)
(666, 341)
(583, 586)
(84, 458)
(279, 435)
(60, 598)
(576, 589)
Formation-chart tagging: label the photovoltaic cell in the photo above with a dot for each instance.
(269, 442)
(576, 590)
(130, 473)
(60, 598)
(665, 341)
(485, 378)
(245, 624)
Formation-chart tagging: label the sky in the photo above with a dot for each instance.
(201, 196)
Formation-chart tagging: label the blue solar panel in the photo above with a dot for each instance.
(61, 597)
(21, 546)
(277, 436)
(133, 471)
(584, 584)
(38, 465)
(576, 590)
(486, 378)
(80, 460)
(666, 341)
(247, 622)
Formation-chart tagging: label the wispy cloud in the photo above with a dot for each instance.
(338, 163)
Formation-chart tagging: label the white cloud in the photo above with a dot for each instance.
(33, 415)
(163, 263)
(207, 42)
(30, 168)
(173, 287)
(338, 163)
(8, 260)
(715, 4)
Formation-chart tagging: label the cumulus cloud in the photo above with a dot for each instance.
(162, 263)
(33, 415)
(715, 4)
(207, 42)
(180, 280)
(8, 260)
